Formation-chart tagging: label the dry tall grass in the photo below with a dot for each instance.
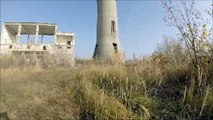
(150, 88)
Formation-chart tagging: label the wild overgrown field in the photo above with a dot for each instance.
(161, 86)
(174, 83)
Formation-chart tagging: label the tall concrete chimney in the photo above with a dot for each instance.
(107, 45)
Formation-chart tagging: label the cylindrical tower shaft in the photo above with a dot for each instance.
(107, 45)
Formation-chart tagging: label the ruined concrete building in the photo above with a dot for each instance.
(107, 46)
(36, 38)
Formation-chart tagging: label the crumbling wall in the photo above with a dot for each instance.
(7, 36)
(61, 51)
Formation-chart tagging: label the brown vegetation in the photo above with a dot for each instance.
(175, 82)
(160, 86)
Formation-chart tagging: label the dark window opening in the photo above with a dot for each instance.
(44, 48)
(10, 46)
(112, 26)
(28, 47)
(68, 42)
(115, 46)
(68, 47)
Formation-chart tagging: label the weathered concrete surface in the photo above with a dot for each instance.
(63, 42)
(107, 45)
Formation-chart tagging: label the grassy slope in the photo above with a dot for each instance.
(140, 90)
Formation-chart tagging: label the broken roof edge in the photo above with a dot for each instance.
(65, 33)
(35, 23)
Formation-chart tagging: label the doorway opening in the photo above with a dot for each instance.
(115, 46)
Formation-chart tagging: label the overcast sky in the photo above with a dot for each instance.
(141, 24)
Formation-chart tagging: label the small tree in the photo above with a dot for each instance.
(194, 29)
(196, 32)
